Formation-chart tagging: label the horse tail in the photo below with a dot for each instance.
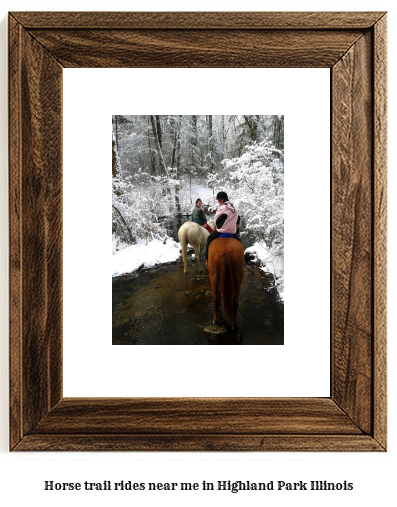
(183, 241)
(227, 283)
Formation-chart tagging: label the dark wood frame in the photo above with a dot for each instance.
(353, 45)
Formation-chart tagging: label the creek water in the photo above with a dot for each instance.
(163, 306)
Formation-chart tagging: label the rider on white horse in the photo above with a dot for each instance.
(227, 221)
(198, 216)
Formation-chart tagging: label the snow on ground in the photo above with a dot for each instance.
(270, 263)
(141, 255)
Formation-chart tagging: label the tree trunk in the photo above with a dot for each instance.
(278, 132)
(224, 135)
(114, 159)
(159, 133)
(193, 141)
(194, 129)
(175, 130)
(115, 155)
(252, 125)
(178, 163)
(117, 132)
(163, 168)
(152, 158)
(210, 143)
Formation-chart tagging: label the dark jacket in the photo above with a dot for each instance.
(198, 216)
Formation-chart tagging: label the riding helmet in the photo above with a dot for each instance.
(222, 195)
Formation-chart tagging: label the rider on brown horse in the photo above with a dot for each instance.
(227, 221)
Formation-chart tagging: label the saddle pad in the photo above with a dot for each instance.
(226, 235)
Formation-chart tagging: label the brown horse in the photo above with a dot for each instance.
(226, 270)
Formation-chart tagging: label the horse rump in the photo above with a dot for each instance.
(196, 236)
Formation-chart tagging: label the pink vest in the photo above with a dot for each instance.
(230, 224)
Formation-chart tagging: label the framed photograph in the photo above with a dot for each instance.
(353, 46)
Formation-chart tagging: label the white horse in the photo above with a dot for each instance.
(196, 236)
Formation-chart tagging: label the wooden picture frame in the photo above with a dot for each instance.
(353, 46)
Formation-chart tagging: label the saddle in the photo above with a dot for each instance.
(226, 235)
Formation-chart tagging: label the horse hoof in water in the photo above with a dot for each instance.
(215, 329)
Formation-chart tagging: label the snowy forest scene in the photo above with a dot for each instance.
(198, 229)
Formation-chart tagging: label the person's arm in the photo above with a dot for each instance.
(202, 215)
(238, 227)
(221, 220)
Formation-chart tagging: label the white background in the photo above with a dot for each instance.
(22, 475)
(92, 366)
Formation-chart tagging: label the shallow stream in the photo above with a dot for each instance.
(163, 306)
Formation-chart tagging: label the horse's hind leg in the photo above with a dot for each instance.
(216, 300)
(216, 303)
(234, 319)
(197, 257)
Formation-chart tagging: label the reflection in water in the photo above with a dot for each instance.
(162, 306)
